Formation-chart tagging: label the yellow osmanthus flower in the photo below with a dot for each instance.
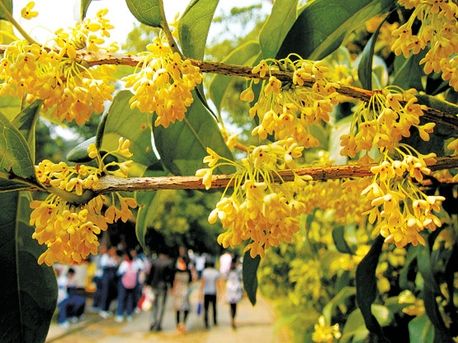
(385, 37)
(443, 42)
(68, 226)
(259, 211)
(164, 83)
(416, 306)
(27, 11)
(324, 332)
(70, 89)
(383, 121)
(400, 209)
(288, 109)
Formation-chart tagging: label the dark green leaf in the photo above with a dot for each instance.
(15, 155)
(409, 73)
(277, 26)
(249, 271)
(84, 7)
(404, 281)
(194, 25)
(220, 83)
(421, 330)
(338, 235)
(323, 24)
(182, 146)
(430, 291)
(366, 287)
(147, 12)
(367, 56)
(29, 291)
(9, 6)
(25, 122)
(441, 105)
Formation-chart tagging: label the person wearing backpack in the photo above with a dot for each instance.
(128, 278)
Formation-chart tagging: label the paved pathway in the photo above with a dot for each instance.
(255, 325)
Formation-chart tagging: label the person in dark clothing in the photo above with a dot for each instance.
(160, 279)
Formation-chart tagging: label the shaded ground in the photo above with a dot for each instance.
(255, 324)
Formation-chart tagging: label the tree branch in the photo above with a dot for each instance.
(88, 59)
(111, 184)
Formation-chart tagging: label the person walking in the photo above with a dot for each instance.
(234, 289)
(159, 279)
(209, 285)
(109, 263)
(181, 291)
(128, 272)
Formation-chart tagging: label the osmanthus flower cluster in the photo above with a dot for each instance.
(288, 109)
(259, 210)
(164, 83)
(383, 121)
(56, 73)
(400, 209)
(324, 332)
(65, 221)
(438, 30)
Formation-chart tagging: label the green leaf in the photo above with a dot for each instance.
(354, 329)
(182, 146)
(408, 72)
(421, 330)
(367, 56)
(101, 131)
(147, 12)
(338, 235)
(121, 121)
(15, 156)
(323, 24)
(430, 291)
(366, 286)
(338, 299)
(25, 122)
(9, 6)
(146, 207)
(277, 26)
(220, 83)
(29, 291)
(79, 153)
(194, 25)
(84, 7)
(10, 106)
(249, 272)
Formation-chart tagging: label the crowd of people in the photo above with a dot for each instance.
(138, 283)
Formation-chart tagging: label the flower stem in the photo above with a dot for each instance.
(8, 16)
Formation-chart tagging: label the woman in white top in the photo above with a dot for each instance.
(208, 288)
(234, 289)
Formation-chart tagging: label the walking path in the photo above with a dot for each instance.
(254, 324)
